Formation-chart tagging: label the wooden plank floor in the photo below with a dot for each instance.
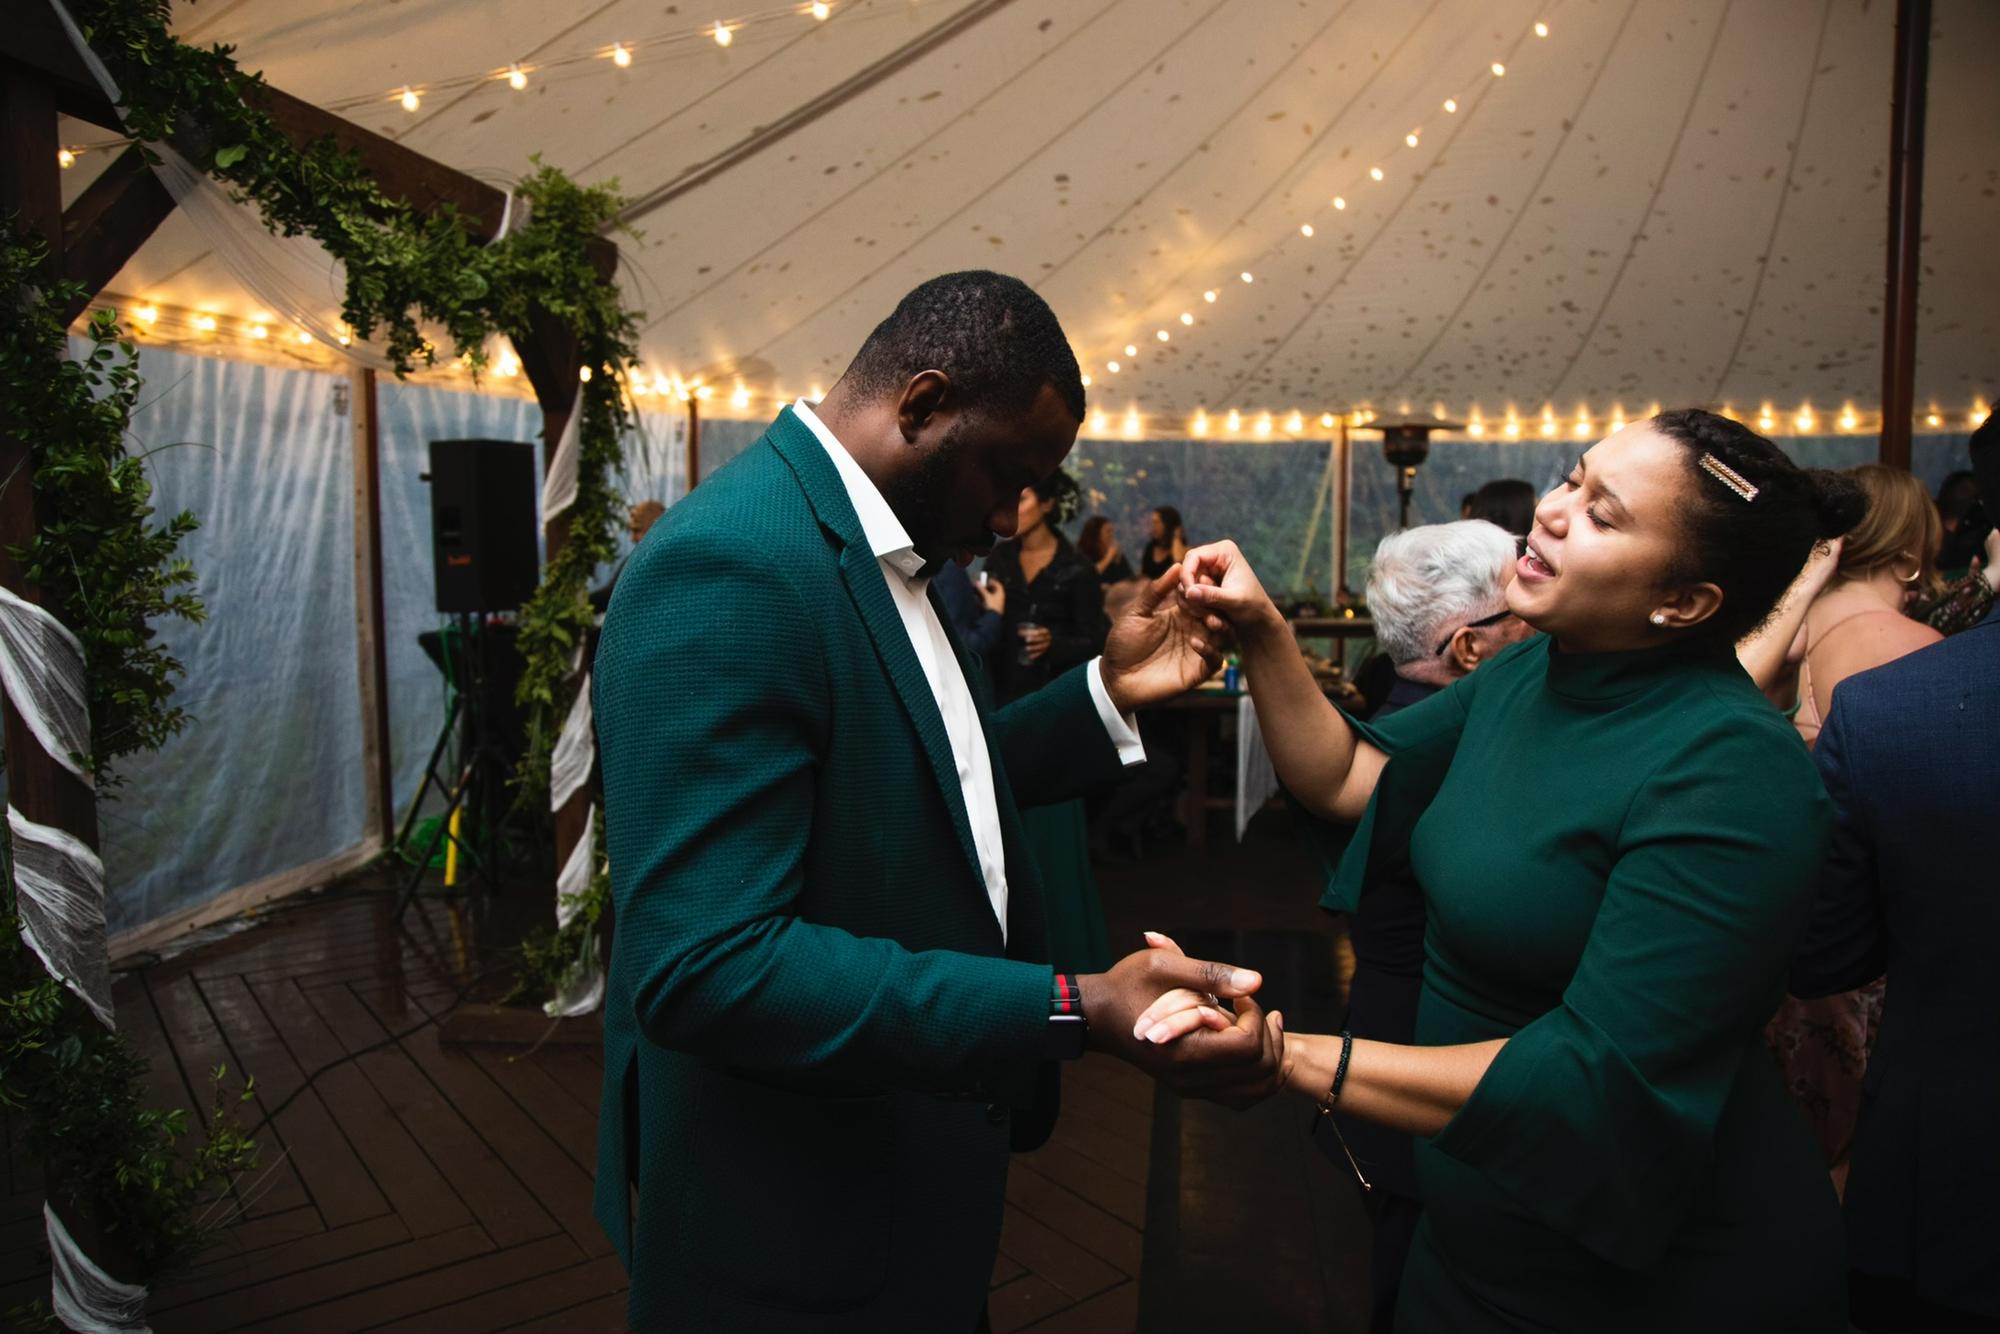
(406, 1184)
(411, 1185)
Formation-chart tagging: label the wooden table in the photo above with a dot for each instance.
(1201, 705)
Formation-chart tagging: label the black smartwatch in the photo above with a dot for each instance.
(1068, 1029)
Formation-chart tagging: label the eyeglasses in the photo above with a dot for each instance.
(1482, 622)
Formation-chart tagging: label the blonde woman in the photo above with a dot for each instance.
(1855, 624)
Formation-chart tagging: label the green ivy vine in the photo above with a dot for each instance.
(106, 567)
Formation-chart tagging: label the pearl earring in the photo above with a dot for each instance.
(1659, 618)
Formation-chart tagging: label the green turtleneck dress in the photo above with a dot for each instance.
(1618, 853)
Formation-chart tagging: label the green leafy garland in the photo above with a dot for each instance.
(404, 270)
(106, 570)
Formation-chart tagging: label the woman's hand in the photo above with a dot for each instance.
(1991, 567)
(1179, 1012)
(1035, 641)
(994, 594)
(1217, 581)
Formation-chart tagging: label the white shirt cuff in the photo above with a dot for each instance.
(1122, 727)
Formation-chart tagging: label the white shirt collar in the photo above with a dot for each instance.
(887, 538)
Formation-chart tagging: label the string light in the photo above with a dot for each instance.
(1548, 422)
(1499, 70)
(1617, 418)
(1326, 419)
(1451, 106)
(1111, 366)
(410, 100)
(583, 374)
(1582, 427)
(740, 399)
(205, 323)
(1263, 423)
(1930, 419)
(723, 35)
(1209, 296)
(1375, 173)
(65, 158)
(1339, 203)
(1233, 422)
(1474, 427)
(1097, 422)
(1979, 412)
(821, 10)
(1131, 349)
(1513, 427)
(1245, 275)
(1132, 423)
(1163, 335)
(1200, 425)
(1187, 317)
(1541, 30)
(345, 339)
(1804, 421)
(1305, 229)
(621, 55)
(1411, 138)
(259, 331)
(1848, 421)
(146, 314)
(517, 78)
(707, 391)
(1765, 421)
(1295, 423)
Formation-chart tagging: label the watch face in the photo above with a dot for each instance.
(1067, 1033)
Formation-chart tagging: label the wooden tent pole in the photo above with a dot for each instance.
(694, 442)
(1909, 93)
(370, 634)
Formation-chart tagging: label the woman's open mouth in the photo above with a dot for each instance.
(1531, 566)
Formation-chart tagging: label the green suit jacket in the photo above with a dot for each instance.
(813, 1032)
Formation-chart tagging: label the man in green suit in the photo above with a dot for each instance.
(828, 1014)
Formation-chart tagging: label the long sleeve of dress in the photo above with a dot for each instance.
(1599, 1117)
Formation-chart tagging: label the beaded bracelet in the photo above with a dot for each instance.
(1339, 1073)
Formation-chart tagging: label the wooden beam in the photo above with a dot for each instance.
(33, 37)
(370, 633)
(694, 442)
(108, 223)
(1909, 92)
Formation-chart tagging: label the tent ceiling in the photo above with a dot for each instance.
(1671, 200)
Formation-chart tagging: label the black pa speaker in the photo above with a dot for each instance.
(483, 524)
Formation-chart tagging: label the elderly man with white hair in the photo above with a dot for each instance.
(1439, 598)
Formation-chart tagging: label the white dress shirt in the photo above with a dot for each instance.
(891, 545)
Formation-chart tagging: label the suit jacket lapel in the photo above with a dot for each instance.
(868, 586)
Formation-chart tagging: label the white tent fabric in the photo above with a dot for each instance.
(1671, 200)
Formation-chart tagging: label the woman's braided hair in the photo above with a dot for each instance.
(1750, 549)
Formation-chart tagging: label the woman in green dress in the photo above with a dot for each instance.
(1617, 837)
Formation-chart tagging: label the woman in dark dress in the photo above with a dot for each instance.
(1098, 544)
(1054, 620)
(1167, 542)
(1618, 840)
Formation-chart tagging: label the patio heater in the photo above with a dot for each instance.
(1406, 443)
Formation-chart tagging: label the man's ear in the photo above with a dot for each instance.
(923, 397)
(1462, 653)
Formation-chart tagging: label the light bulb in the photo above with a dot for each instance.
(1804, 421)
(410, 99)
(1200, 426)
(1582, 430)
(1451, 106)
(1163, 335)
(1977, 417)
(1111, 366)
(723, 36)
(1765, 421)
(1187, 317)
(1295, 422)
(1209, 296)
(821, 10)
(1411, 138)
(1245, 275)
(1930, 419)
(741, 398)
(1326, 419)
(1375, 173)
(621, 55)
(1499, 70)
(1132, 421)
(1541, 30)
(146, 314)
(1264, 423)
(1339, 202)
(205, 323)
(345, 339)
(1097, 422)
(1086, 382)
(517, 78)
(583, 374)
(259, 331)
(1234, 422)
(705, 392)
(1513, 427)
(65, 159)
(1475, 428)
(1848, 420)
(1305, 229)
(1131, 349)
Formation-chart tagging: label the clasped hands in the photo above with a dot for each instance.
(1164, 1013)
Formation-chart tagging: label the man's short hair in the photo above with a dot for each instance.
(997, 340)
(1426, 582)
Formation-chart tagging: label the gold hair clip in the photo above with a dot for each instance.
(1728, 476)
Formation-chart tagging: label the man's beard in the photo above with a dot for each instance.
(924, 497)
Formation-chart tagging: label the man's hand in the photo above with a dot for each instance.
(1158, 649)
(1233, 1059)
